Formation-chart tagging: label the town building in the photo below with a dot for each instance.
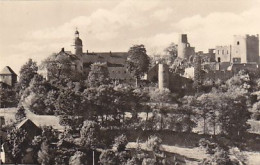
(8, 77)
(223, 53)
(81, 61)
(32, 130)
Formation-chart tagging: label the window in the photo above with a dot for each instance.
(237, 42)
(223, 52)
(219, 59)
(227, 51)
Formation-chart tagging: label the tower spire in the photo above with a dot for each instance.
(76, 33)
(77, 43)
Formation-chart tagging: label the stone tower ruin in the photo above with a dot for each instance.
(184, 48)
(163, 76)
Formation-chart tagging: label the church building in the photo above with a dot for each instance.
(115, 61)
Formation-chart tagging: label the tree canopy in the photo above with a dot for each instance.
(137, 61)
(98, 75)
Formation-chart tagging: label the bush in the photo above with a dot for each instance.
(120, 143)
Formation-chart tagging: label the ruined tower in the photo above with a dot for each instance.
(184, 49)
(163, 76)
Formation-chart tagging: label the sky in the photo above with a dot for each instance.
(36, 29)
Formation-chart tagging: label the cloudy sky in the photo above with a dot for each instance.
(36, 29)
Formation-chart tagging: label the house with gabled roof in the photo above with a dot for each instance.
(30, 127)
(8, 77)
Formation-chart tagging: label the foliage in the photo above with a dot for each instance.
(239, 84)
(98, 75)
(234, 116)
(107, 157)
(256, 111)
(120, 143)
(7, 97)
(188, 114)
(154, 143)
(27, 72)
(60, 69)
(221, 154)
(20, 114)
(16, 141)
(225, 110)
(68, 103)
(172, 51)
(138, 61)
(149, 161)
(160, 96)
(79, 158)
(179, 65)
(208, 106)
(44, 155)
(40, 96)
(90, 134)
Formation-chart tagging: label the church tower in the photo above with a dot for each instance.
(78, 44)
(78, 52)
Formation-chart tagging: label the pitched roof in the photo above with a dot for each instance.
(109, 54)
(109, 57)
(25, 121)
(7, 70)
(66, 54)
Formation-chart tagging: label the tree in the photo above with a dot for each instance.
(239, 84)
(120, 143)
(27, 72)
(209, 109)
(16, 141)
(61, 69)
(161, 98)
(98, 75)
(107, 157)
(7, 97)
(256, 111)
(38, 96)
(102, 101)
(221, 154)
(44, 155)
(154, 143)
(79, 158)
(172, 51)
(233, 116)
(138, 61)
(149, 161)
(188, 113)
(69, 103)
(20, 114)
(90, 134)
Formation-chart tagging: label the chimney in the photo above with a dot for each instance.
(62, 49)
